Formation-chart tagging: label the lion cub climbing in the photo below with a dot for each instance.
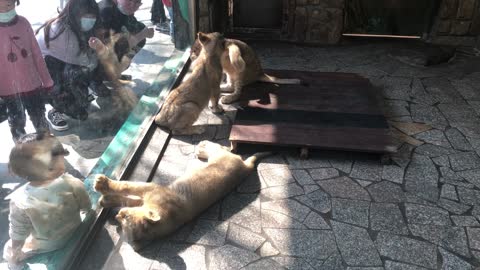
(151, 211)
(242, 67)
(185, 103)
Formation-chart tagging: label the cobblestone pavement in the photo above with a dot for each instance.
(340, 210)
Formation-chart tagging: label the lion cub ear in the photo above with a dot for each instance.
(152, 216)
(203, 38)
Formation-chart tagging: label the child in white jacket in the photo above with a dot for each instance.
(45, 212)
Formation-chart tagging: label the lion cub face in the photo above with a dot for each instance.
(212, 43)
(137, 222)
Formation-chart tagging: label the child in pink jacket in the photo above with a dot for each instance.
(24, 75)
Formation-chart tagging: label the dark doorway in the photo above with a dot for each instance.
(389, 17)
(257, 14)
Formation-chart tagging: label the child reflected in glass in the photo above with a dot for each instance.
(25, 79)
(64, 42)
(46, 211)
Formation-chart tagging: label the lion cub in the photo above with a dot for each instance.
(185, 103)
(242, 67)
(151, 211)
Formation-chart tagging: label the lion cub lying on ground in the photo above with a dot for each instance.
(185, 103)
(150, 210)
(242, 67)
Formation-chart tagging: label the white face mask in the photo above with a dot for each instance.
(87, 23)
(5, 17)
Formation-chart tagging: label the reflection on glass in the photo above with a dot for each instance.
(75, 69)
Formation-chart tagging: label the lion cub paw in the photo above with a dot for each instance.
(102, 183)
(229, 99)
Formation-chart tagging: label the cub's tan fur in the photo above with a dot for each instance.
(122, 99)
(185, 103)
(242, 67)
(151, 211)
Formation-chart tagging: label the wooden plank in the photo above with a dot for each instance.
(351, 139)
(329, 110)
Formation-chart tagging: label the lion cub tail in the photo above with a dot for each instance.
(271, 79)
(250, 162)
(236, 59)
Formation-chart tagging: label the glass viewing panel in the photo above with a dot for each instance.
(93, 74)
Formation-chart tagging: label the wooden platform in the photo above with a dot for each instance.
(329, 110)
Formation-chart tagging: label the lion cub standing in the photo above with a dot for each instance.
(185, 103)
(151, 211)
(242, 66)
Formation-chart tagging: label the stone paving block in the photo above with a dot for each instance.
(344, 187)
(323, 173)
(431, 150)
(365, 268)
(395, 108)
(456, 182)
(272, 162)
(244, 238)
(310, 188)
(282, 192)
(393, 173)
(263, 264)
(355, 245)
(427, 114)
(422, 214)
(208, 232)
(435, 137)
(317, 200)
(315, 221)
(177, 256)
(391, 265)
(272, 219)
(367, 170)
(295, 162)
(287, 207)
(386, 192)
(213, 212)
(267, 250)
(410, 128)
(318, 244)
(457, 140)
(468, 196)
(397, 92)
(453, 207)
(252, 184)
(387, 217)
(230, 257)
(465, 221)
(441, 161)
(464, 161)
(474, 238)
(472, 176)
(465, 88)
(302, 177)
(294, 263)
(449, 192)
(277, 177)
(421, 178)
(451, 261)
(407, 250)
(244, 210)
(363, 183)
(449, 173)
(343, 164)
(351, 211)
(459, 113)
(475, 105)
(451, 238)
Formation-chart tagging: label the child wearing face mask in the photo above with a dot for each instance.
(64, 42)
(24, 76)
(119, 16)
(45, 212)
